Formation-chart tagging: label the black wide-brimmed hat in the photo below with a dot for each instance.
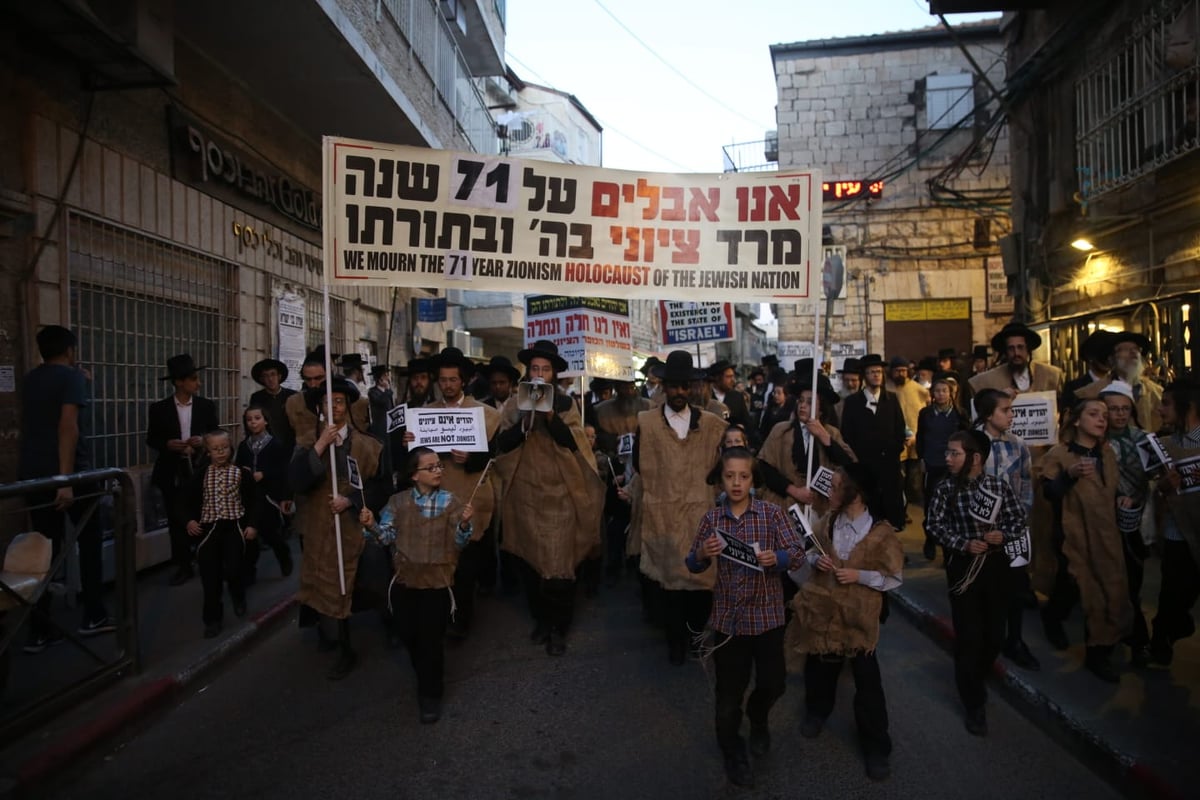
(651, 363)
(802, 382)
(351, 361)
(453, 357)
(380, 369)
(1032, 340)
(980, 352)
(417, 366)
(1096, 347)
(180, 367)
(928, 363)
(947, 352)
(678, 368)
(543, 348)
(850, 367)
(770, 360)
(502, 364)
(870, 360)
(314, 398)
(898, 361)
(1142, 342)
(269, 363)
(717, 369)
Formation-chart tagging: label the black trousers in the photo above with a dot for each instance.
(1135, 572)
(1018, 589)
(473, 564)
(614, 538)
(1178, 593)
(979, 615)
(420, 617)
(1064, 595)
(933, 476)
(270, 533)
(551, 600)
(870, 706)
(52, 524)
(684, 613)
(221, 554)
(733, 660)
(175, 503)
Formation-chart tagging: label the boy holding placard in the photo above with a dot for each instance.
(749, 539)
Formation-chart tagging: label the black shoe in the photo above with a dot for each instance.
(37, 644)
(677, 653)
(737, 769)
(811, 727)
(878, 768)
(239, 609)
(431, 709)
(977, 721)
(1018, 653)
(181, 576)
(541, 634)
(96, 627)
(930, 550)
(556, 643)
(1055, 635)
(342, 667)
(1102, 668)
(285, 561)
(212, 630)
(760, 739)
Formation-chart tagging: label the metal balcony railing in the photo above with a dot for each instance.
(1136, 109)
(427, 33)
(759, 156)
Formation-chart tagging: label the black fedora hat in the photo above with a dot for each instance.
(898, 361)
(770, 360)
(928, 363)
(351, 361)
(871, 360)
(651, 363)
(543, 348)
(419, 365)
(1130, 337)
(980, 352)
(501, 364)
(1032, 340)
(717, 369)
(453, 357)
(314, 398)
(1097, 346)
(802, 382)
(269, 363)
(850, 367)
(678, 368)
(180, 367)
(947, 352)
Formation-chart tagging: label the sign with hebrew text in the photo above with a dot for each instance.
(409, 216)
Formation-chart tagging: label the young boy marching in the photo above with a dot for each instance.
(428, 527)
(748, 611)
(221, 516)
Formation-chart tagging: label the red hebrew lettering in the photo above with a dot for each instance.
(704, 201)
(687, 247)
(606, 199)
(650, 193)
(786, 200)
(673, 210)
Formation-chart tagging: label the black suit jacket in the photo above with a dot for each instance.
(875, 438)
(172, 470)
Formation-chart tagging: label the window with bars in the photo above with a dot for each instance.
(314, 311)
(135, 301)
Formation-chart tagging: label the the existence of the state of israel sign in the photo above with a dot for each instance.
(409, 216)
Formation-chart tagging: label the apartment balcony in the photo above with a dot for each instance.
(1136, 109)
(760, 156)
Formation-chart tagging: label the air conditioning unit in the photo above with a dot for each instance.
(471, 346)
(771, 146)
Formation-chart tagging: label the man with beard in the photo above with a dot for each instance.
(722, 378)
(420, 384)
(1126, 354)
(927, 367)
(1094, 352)
(270, 373)
(553, 496)
(758, 394)
(979, 359)
(913, 397)
(873, 427)
(676, 448)
(616, 426)
(501, 377)
(1019, 373)
(651, 388)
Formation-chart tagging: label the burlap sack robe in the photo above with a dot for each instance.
(319, 587)
(424, 555)
(1093, 547)
(675, 496)
(777, 451)
(836, 619)
(304, 421)
(461, 483)
(552, 498)
(633, 542)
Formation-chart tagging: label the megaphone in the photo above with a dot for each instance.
(535, 396)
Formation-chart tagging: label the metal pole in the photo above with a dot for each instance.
(337, 520)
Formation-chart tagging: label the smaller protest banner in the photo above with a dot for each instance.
(445, 429)
(625, 445)
(789, 352)
(984, 506)
(737, 551)
(1189, 475)
(689, 323)
(353, 475)
(1152, 453)
(822, 481)
(1035, 418)
(1018, 550)
(395, 417)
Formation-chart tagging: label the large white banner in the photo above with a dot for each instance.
(592, 333)
(409, 216)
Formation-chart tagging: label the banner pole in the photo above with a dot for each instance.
(337, 520)
(814, 409)
(387, 354)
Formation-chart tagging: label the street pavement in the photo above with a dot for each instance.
(610, 719)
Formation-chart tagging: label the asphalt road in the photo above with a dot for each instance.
(610, 719)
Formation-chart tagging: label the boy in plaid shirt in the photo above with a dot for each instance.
(221, 515)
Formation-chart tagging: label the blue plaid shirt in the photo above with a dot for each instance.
(747, 602)
(1010, 461)
(430, 505)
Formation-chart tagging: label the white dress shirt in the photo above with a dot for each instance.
(847, 533)
(872, 398)
(679, 421)
(184, 412)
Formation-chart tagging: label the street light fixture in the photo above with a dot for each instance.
(1083, 245)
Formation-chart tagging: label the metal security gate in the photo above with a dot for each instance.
(136, 300)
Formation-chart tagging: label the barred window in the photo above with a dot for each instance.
(135, 301)
(314, 311)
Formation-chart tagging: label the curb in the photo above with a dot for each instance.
(141, 702)
(1141, 777)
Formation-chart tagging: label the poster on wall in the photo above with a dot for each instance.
(291, 336)
(592, 333)
(418, 217)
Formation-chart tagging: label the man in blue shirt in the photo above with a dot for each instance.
(53, 395)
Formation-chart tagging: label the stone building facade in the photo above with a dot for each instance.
(907, 134)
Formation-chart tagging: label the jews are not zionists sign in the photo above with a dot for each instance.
(409, 216)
